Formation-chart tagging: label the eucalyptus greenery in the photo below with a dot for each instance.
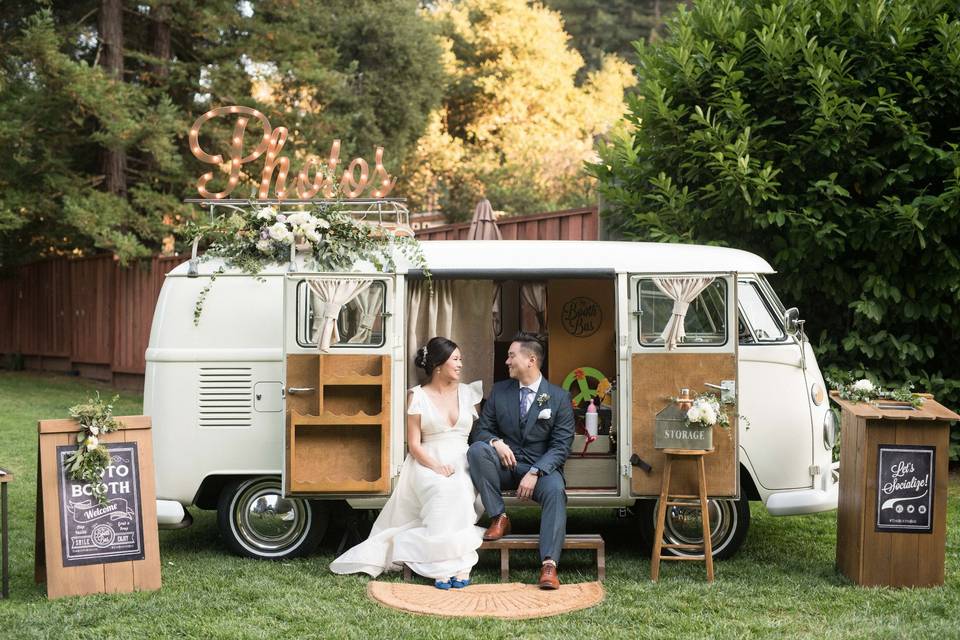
(91, 458)
(330, 239)
(865, 390)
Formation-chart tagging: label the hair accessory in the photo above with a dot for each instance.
(423, 353)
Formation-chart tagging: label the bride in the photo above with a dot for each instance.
(428, 522)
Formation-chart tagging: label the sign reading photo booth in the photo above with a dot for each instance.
(905, 488)
(92, 533)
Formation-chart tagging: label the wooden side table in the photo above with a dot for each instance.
(5, 477)
(669, 500)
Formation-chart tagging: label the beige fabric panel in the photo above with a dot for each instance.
(658, 376)
(461, 310)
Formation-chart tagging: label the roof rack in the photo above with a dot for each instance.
(389, 214)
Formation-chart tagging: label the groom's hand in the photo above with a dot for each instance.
(526, 486)
(507, 459)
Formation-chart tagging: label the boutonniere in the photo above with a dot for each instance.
(542, 398)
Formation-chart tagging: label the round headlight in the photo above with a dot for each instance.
(829, 430)
(817, 394)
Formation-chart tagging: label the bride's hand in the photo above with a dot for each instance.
(444, 469)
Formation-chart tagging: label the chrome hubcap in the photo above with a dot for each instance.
(266, 521)
(684, 525)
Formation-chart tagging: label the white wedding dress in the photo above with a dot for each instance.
(429, 521)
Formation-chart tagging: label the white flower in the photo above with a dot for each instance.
(267, 213)
(709, 415)
(95, 430)
(301, 219)
(312, 236)
(863, 385)
(694, 414)
(323, 223)
(265, 245)
(91, 443)
(279, 232)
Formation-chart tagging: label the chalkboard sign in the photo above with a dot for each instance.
(92, 533)
(905, 488)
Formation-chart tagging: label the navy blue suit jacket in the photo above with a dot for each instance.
(543, 443)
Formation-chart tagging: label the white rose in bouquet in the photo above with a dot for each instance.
(694, 414)
(267, 213)
(279, 232)
(265, 245)
(864, 386)
(91, 443)
(709, 414)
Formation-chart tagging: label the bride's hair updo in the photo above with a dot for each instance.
(437, 351)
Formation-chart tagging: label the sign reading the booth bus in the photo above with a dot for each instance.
(316, 176)
(92, 533)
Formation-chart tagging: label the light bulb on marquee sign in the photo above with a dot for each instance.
(351, 185)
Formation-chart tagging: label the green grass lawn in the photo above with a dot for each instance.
(781, 584)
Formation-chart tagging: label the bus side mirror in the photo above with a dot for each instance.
(791, 320)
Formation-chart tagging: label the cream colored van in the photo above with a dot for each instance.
(252, 418)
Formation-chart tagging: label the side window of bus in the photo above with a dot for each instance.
(759, 314)
(705, 322)
(360, 323)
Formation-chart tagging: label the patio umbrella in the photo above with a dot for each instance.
(482, 225)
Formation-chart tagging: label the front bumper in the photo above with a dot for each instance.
(821, 498)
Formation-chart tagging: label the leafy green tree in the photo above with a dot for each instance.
(821, 134)
(515, 125)
(96, 97)
(599, 27)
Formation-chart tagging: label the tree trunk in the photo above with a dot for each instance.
(110, 25)
(161, 41)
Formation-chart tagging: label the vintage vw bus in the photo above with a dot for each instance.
(252, 418)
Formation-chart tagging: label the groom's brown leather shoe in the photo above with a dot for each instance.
(548, 577)
(499, 527)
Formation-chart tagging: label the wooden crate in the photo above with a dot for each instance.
(873, 557)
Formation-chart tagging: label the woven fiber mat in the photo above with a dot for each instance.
(511, 601)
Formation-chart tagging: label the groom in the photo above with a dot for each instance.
(521, 441)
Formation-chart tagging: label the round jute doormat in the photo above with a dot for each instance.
(511, 601)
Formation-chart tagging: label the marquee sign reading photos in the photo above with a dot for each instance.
(323, 178)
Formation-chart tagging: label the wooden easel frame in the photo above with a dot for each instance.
(112, 577)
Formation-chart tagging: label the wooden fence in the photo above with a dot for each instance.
(87, 315)
(93, 317)
(571, 224)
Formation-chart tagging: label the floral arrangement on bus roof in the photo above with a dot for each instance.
(865, 390)
(328, 238)
(91, 458)
(706, 412)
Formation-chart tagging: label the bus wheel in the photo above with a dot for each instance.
(729, 521)
(256, 521)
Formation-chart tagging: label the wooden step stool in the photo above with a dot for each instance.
(669, 500)
(506, 543)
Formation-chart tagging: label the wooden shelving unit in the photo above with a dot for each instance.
(338, 435)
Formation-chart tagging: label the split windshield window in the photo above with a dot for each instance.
(759, 315)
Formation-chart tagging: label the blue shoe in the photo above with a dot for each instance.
(460, 584)
(441, 584)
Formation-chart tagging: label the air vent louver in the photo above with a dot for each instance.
(226, 397)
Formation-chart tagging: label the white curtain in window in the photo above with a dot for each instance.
(329, 296)
(535, 295)
(682, 291)
(369, 303)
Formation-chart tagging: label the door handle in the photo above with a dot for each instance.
(298, 390)
(727, 389)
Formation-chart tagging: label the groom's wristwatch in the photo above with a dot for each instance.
(535, 471)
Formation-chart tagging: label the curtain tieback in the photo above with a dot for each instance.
(680, 307)
(331, 310)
